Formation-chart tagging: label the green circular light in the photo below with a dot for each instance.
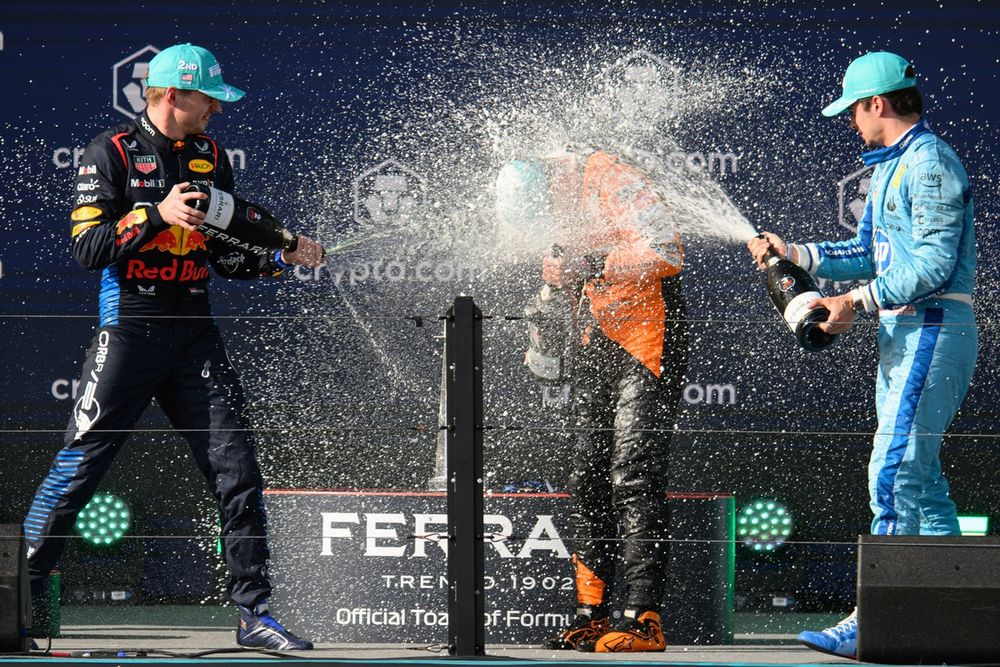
(764, 525)
(104, 521)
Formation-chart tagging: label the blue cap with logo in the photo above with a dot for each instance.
(874, 73)
(189, 67)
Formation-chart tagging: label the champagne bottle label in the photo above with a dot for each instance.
(792, 289)
(220, 213)
(231, 220)
(798, 308)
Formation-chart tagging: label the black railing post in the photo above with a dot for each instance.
(464, 358)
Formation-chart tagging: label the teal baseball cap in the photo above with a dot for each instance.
(874, 73)
(189, 67)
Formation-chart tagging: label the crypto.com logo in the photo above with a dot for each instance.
(641, 85)
(639, 68)
(851, 192)
(129, 87)
(637, 81)
(389, 190)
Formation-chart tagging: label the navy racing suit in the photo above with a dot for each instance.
(155, 339)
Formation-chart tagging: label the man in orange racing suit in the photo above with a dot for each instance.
(629, 360)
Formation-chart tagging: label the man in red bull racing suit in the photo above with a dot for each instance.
(629, 364)
(156, 337)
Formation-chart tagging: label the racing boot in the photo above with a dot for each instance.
(635, 632)
(258, 629)
(841, 639)
(590, 623)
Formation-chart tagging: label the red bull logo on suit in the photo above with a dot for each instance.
(176, 241)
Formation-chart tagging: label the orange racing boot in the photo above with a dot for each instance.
(634, 633)
(588, 626)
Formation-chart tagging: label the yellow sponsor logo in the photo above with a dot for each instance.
(898, 177)
(201, 166)
(86, 213)
(80, 226)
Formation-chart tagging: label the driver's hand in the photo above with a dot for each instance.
(175, 209)
(307, 253)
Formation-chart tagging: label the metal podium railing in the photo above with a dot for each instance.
(464, 437)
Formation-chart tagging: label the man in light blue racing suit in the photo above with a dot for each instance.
(916, 243)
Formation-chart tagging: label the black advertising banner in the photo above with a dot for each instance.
(370, 566)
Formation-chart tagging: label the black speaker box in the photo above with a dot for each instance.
(928, 599)
(15, 599)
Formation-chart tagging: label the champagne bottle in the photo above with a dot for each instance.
(792, 289)
(239, 223)
(549, 320)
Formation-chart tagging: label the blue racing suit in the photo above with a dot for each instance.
(917, 242)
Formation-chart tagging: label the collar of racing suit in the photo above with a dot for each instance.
(895, 150)
(154, 137)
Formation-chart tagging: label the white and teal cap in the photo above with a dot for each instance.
(189, 67)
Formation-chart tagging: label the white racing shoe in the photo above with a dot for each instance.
(841, 639)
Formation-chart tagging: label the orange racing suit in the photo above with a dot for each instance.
(628, 378)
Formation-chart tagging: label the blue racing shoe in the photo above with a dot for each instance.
(257, 629)
(841, 639)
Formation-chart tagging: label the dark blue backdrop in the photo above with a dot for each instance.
(336, 90)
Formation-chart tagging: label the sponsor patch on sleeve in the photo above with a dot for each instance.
(81, 227)
(134, 218)
(86, 213)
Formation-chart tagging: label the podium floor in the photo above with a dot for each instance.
(182, 641)
(174, 635)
